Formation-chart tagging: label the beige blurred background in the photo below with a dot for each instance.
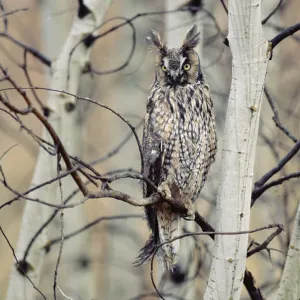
(114, 245)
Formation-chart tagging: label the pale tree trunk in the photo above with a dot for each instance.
(63, 119)
(289, 288)
(76, 251)
(176, 27)
(264, 160)
(249, 65)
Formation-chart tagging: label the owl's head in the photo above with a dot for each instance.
(177, 66)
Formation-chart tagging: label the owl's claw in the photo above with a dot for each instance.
(164, 190)
(190, 215)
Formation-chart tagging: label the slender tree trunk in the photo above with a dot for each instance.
(249, 65)
(66, 76)
(289, 288)
(264, 160)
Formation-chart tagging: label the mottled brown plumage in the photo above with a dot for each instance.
(179, 141)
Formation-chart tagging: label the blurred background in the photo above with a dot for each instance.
(102, 257)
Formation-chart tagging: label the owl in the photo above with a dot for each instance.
(179, 141)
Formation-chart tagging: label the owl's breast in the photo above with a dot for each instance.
(164, 123)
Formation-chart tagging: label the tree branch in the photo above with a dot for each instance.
(283, 35)
(265, 244)
(276, 117)
(272, 13)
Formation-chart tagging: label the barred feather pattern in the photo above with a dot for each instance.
(169, 227)
(180, 134)
(179, 143)
(183, 120)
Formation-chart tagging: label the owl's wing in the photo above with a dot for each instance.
(152, 168)
(153, 152)
(210, 147)
(152, 156)
(211, 136)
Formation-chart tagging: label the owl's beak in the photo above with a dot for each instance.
(174, 74)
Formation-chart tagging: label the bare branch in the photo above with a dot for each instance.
(11, 12)
(61, 230)
(131, 53)
(276, 117)
(20, 267)
(258, 186)
(272, 12)
(257, 192)
(249, 283)
(34, 52)
(265, 244)
(88, 226)
(224, 6)
(283, 35)
(116, 150)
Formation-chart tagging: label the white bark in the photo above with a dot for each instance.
(249, 65)
(289, 284)
(19, 287)
(64, 122)
(264, 161)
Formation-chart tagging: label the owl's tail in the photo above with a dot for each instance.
(168, 226)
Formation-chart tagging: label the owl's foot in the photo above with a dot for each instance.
(164, 190)
(190, 215)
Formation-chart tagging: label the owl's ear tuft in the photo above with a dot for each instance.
(155, 40)
(192, 39)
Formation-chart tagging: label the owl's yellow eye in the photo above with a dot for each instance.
(164, 68)
(186, 67)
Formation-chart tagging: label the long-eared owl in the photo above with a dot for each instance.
(179, 141)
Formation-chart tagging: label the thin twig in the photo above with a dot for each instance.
(11, 12)
(45, 109)
(5, 20)
(116, 149)
(89, 225)
(266, 242)
(286, 33)
(8, 150)
(276, 117)
(257, 192)
(272, 12)
(67, 297)
(280, 165)
(36, 138)
(131, 53)
(224, 6)
(61, 230)
(19, 266)
(48, 221)
(34, 52)
(22, 195)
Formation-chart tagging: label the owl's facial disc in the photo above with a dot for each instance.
(172, 66)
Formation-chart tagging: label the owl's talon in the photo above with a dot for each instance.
(165, 191)
(190, 215)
